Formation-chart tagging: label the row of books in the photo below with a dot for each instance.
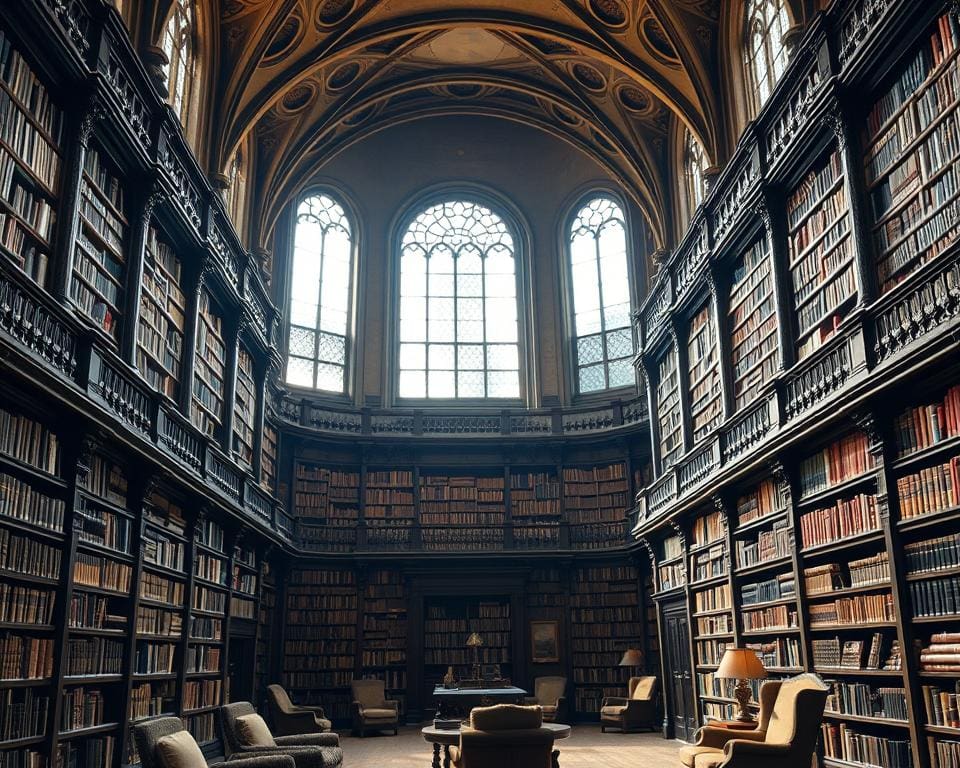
(842, 460)
(831, 653)
(781, 586)
(927, 425)
(858, 609)
(29, 441)
(933, 489)
(845, 518)
(936, 596)
(864, 700)
(769, 545)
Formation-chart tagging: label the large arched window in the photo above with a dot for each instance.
(694, 165)
(178, 37)
(320, 296)
(459, 330)
(600, 285)
(766, 54)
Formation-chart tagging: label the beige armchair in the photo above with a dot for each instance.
(791, 712)
(372, 711)
(289, 719)
(638, 710)
(550, 694)
(504, 736)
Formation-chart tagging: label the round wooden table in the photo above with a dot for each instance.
(450, 737)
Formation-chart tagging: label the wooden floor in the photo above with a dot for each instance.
(586, 748)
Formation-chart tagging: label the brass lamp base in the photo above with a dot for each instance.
(742, 694)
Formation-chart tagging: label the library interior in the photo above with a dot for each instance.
(398, 383)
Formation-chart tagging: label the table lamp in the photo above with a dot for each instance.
(475, 641)
(632, 658)
(741, 664)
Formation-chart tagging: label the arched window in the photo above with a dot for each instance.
(236, 193)
(320, 296)
(600, 280)
(178, 36)
(766, 55)
(694, 165)
(459, 330)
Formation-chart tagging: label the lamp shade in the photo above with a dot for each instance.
(740, 664)
(631, 658)
(474, 640)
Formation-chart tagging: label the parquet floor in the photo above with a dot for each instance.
(586, 748)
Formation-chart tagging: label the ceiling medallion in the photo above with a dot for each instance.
(343, 75)
(636, 99)
(589, 77)
(284, 40)
(334, 11)
(658, 43)
(610, 12)
(298, 97)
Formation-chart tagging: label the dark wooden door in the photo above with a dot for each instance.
(681, 714)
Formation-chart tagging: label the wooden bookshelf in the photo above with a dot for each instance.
(268, 460)
(206, 638)
(595, 500)
(462, 512)
(752, 324)
(160, 331)
(33, 556)
(30, 164)
(536, 509)
(244, 584)
(327, 506)
(821, 264)
(449, 621)
(669, 418)
(671, 571)
(99, 264)
(320, 640)
(266, 631)
(206, 405)
(162, 615)
(389, 509)
(245, 408)
(703, 374)
(383, 647)
(604, 622)
(910, 157)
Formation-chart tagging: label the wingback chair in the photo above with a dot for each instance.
(791, 712)
(167, 736)
(550, 694)
(638, 710)
(289, 719)
(504, 736)
(246, 734)
(372, 711)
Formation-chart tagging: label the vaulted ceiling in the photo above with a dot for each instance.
(306, 78)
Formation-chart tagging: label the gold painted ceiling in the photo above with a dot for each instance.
(307, 78)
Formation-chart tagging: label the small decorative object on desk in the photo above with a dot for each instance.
(449, 681)
(741, 664)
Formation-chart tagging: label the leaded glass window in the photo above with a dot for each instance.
(767, 23)
(320, 291)
(459, 328)
(694, 165)
(177, 42)
(603, 340)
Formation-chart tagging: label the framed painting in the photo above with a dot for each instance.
(544, 640)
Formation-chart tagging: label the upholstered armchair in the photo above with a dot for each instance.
(289, 719)
(166, 736)
(372, 711)
(791, 712)
(550, 694)
(246, 734)
(504, 736)
(638, 710)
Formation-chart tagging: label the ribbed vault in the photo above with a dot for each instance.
(306, 78)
